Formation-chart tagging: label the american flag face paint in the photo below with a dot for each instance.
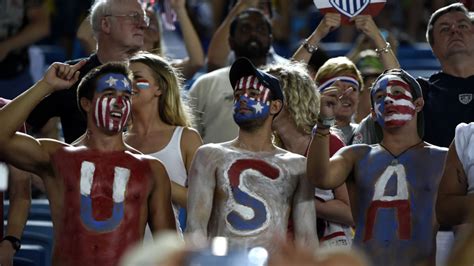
(112, 112)
(142, 84)
(251, 99)
(393, 101)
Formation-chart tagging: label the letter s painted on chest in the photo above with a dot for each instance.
(121, 177)
(250, 213)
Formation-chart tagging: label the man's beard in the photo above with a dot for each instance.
(251, 49)
(251, 125)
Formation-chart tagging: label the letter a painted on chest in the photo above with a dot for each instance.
(399, 202)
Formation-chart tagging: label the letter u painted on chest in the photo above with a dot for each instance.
(250, 214)
(121, 177)
(399, 202)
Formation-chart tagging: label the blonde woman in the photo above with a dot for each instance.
(292, 128)
(161, 121)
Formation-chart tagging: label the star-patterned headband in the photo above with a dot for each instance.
(328, 83)
(115, 81)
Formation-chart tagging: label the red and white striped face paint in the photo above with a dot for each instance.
(112, 112)
(393, 101)
(252, 88)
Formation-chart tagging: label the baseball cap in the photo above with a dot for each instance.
(416, 93)
(242, 67)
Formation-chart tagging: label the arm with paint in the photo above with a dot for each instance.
(202, 182)
(366, 24)
(304, 214)
(161, 216)
(330, 22)
(21, 150)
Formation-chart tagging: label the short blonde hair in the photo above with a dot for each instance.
(338, 66)
(299, 90)
(172, 109)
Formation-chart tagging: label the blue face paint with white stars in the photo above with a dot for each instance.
(256, 109)
(251, 100)
(114, 81)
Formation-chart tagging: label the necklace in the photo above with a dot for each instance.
(395, 157)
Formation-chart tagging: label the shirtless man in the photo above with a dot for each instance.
(246, 188)
(392, 185)
(102, 193)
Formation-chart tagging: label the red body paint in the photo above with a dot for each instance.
(75, 244)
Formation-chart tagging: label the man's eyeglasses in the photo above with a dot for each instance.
(135, 17)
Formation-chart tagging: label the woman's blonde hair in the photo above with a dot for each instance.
(172, 109)
(301, 96)
(338, 66)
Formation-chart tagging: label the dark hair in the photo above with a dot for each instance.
(236, 20)
(456, 7)
(87, 86)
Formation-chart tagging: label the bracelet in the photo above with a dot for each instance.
(317, 133)
(384, 50)
(16, 243)
(310, 48)
(321, 135)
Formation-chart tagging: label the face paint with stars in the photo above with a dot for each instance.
(112, 110)
(393, 101)
(251, 100)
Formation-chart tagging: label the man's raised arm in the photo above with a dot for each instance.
(19, 149)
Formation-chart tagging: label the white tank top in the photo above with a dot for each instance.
(172, 159)
(464, 141)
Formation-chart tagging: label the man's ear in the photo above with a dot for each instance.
(85, 104)
(105, 25)
(275, 106)
(419, 103)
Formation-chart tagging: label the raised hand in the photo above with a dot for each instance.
(366, 24)
(330, 102)
(330, 22)
(61, 76)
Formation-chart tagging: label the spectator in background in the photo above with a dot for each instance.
(340, 71)
(153, 41)
(292, 129)
(22, 23)
(221, 53)
(449, 94)
(119, 27)
(161, 122)
(250, 36)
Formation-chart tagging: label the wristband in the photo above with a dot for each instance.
(325, 123)
(16, 243)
